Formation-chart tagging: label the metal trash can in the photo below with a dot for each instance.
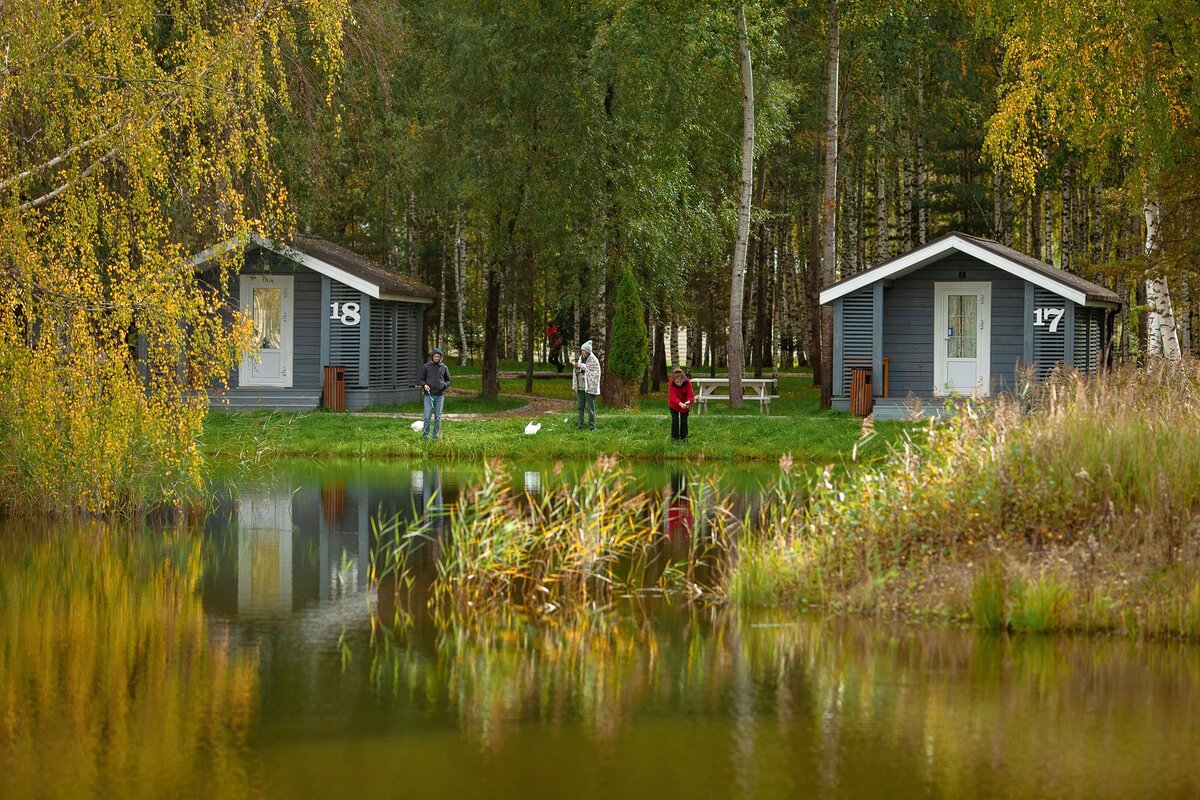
(333, 396)
(862, 395)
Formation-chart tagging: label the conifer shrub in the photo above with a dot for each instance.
(629, 353)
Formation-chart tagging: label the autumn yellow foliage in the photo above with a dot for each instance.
(131, 133)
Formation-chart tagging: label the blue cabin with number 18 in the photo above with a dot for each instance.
(314, 305)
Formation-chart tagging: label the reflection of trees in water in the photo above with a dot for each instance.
(932, 708)
(111, 682)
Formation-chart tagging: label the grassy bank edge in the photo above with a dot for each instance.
(1075, 510)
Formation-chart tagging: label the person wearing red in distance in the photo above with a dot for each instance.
(679, 400)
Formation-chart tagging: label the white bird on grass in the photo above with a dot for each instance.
(532, 428)
(418, 425)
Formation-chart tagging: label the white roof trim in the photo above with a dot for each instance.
(317, 265)
(924, 255)
(217, 250)
(304, 259)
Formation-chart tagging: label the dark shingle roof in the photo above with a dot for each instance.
(338, 260)
(389, 282)
(1093, 292)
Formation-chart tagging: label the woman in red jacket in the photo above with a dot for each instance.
(679, 400)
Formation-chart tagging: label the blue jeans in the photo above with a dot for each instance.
(433, 408)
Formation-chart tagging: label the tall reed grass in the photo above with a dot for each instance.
(573, 549)
(1096, 482)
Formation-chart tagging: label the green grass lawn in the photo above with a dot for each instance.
(456, 404)
(820, 438)
(546, 387)
(795, 426)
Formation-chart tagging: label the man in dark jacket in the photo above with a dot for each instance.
(434, 381)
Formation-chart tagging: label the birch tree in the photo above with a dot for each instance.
(829, 199)
(1162, 338)
(737, 283)
(460, 284)
(1104, 79)
(131, 135)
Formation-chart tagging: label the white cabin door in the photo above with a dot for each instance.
(962, 338)
(268, 301)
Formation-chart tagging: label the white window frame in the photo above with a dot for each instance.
(983, 350)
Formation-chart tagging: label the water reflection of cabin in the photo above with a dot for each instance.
(317, 304)
(284, 547)
(960, 316)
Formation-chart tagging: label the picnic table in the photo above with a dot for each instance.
(764, 390)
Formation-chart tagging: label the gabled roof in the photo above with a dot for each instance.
(334, 261)
(1039, 273)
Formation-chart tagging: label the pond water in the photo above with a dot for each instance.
(244, 656)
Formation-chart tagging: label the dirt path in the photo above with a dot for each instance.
(536, 407)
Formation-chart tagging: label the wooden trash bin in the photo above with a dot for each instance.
(333, 396)
(862, 395)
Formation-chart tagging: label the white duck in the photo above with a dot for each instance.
(532, 428)
(418, 425)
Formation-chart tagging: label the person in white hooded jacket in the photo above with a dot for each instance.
(585, 380)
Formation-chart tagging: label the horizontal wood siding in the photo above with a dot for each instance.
(908, 323)
(1049, 349)
(393, 345)
(408, 346)
(395, 356)
(858, 333)
(1089, 324)
(345, 340)
(306, 314)
(306, 330)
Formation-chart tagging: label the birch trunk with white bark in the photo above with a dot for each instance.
(1067, 234)
(441, 330)
(999, 231)
(1047, 228)
(460, 286)
(1162, 337)
(882, 249)
(921, 169)
(829, 201)
(736, 348)
(908, 179)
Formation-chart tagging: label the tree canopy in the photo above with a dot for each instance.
(521, 155)
(131, 133)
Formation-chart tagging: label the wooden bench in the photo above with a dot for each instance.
(764, 390)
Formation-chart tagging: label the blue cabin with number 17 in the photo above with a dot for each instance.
(960, 316)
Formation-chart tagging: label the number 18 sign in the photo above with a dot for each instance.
(348, 313)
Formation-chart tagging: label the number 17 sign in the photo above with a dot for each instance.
(1048, 316)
